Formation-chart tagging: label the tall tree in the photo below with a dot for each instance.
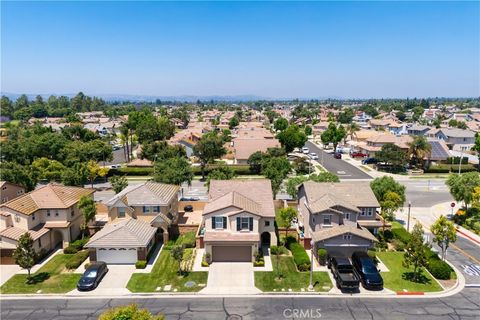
(415, 251)
(476, 146)
(118, 183)
(26, 176)
(352, 130)
(444, 233)
(233, 123)
(177, 254)
(292, 138)
(333, 135)
(209, 148)
(25, 255)
(382, 186)
(462, 186)
(89, 210)
(392, 155)
(255, 162)
(275, 169)
(281, 124)
(419, 148)
(391, 203)
(77, 175)
(220, 173)
(95, 171)
(175, 171)
(287, 215)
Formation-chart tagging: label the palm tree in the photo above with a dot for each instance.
(352, 130)
(419, 148)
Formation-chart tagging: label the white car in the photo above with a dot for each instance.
(305, 150)
(313, 156)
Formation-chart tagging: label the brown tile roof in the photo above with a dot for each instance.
(244, 148)
(57, 224)
(359, 231)
(329, 201)
(51, 196)
(257, 190)
(126, 233)
(225, 236)
(15, 233)
(233, 199)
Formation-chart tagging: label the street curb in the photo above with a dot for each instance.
(467, 236)
(402, 293)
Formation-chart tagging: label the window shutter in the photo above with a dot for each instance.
(224, 222)
(213, 222)
(144, 209)
(239, 227)
(250, 224)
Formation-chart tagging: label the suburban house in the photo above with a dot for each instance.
(10, 191)
(238, 219)
(418, 130)
(375, 143)
(338, 216)
(251, 138)
(456, 139)
(139, 216)
(50, 214)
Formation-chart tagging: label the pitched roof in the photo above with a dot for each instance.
(244, 148)
(212, 235)
(357, 230)
(148, 193)
(457, 133)
(125, 233)
(232, 199)
(15, 233)
(255, 194)
(329, 201)
(358, 194)
(50, 196)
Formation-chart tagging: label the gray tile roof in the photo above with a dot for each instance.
(329, 201)
(357, 230)
(123, 233)
(233, 199)
(148, 193)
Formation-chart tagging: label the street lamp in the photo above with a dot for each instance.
(460, 164)
(310, 286)
(408, 218)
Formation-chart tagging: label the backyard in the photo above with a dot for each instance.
(51, 278)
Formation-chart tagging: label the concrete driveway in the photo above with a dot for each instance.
(7, 271)
(114, 282)
(230, 278)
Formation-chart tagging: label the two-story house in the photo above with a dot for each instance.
(139, 216)
(50, 214)
(456, 139)
(10, 191)
(238, 219)
(336, 216)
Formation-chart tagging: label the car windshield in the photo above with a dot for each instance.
(91, 274)
(369, 269)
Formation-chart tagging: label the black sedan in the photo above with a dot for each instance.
(92, 276)
(367, 271)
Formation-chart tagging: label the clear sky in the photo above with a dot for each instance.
(271, 49)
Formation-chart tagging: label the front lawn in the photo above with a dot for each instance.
(399, 277)
(165, 272)
(48, 279)
(292, 279)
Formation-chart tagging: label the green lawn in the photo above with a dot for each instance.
(49, 278)
(397, 279)
(292, 279)
(164, 272)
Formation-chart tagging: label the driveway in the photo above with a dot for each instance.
(114, 282)
(7, 271)
(342, 169)
(230, 278)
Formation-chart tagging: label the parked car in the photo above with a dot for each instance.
(357, 154)
(313, 156)
(92, 276)
(369, 161)
(337, 155)
(367, 271)
(115, 166)
(188, 208)
(305, 150)
(343, 273)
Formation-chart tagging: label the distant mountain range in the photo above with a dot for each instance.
(152, 98)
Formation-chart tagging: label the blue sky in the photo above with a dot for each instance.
(271, 49)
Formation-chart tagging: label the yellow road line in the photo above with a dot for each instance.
(465, 253)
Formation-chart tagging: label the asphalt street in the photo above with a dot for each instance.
(343, 169)
(465, 305)
(426, 193)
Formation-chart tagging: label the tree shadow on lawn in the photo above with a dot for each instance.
(39, 277)
(421, 278)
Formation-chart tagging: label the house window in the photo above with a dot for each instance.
(327, 220)
(121, 212)
(219, 222)
(19, 192)
(17, 218)
(364, 211)
(244, 222)
(146, 210)
(56, 213)
(267, 223)
(48, 213)
(40, 243)
(370, 212)
(33, 216)
(347, 216)
(72, 213)
(156, 209)
(347, 237)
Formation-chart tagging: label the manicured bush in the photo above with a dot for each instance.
(300, 257)
(398, 245)
(322, 256)
(289, 240)
(205, 263)
(141, 264)
(401, 234)
(260, 263)
(76, 246)
(446, 168)
(381, 246)
(280, 250)
(240, 170)
(132, 171)
(187, 240)
(439, 269)
(386, 235)
(77, 259)
(70, 250)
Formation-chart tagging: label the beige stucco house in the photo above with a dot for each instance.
(50, 214)
(238, 219)
(10, 191)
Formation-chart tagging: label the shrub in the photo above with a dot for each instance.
(70, 250)
(446, 168)
(401, 234)
(322, 256)
(129, 312)
(373, 255)
(386, 235)
(187, 240)
(300, 256)
(77, 259)
(260, 263)
(289, 240)
(141, 264)
(86, 265)
(205, 263)
(398, 245)
(439, 269)
(381, 246)
(208, 258)
(76, 246)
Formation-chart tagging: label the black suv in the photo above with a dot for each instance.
(367, 271)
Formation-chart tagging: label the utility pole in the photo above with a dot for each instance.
(310, 286)
(408, 218)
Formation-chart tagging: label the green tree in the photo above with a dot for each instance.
(26, 176)
(275, 169)
(453, 123)
(220, 173)
(301, 166)
(292, 138)
(25, 255)
(308, 130)
(333, 134)
(281, 124)
(462, 186)
(118, 183)
(444, 233)
(294, 182)
(130, 312)
(152, 129)
(209, 148)
(173, 171)
(417, 113)
(177, 254)
(419, 148)
(393, 155)
(287, 215)
(50, 170)
(352, 130)
(233, 123)
(391, 203)
(95, 171)
(401, 115)
(476, 147)
(383, 185)
(415, 251)
(346, 116)
(255, 162)
(89, 210)
(161, 150)
(77, 175)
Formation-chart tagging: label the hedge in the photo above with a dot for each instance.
(77, 260)
(132, 171)
(76, 246)
(446, 168)
(300, 257)
(141, 264)
(197, 170)
(439, 269)
(280, 250)
(322, 256)
(401, 234)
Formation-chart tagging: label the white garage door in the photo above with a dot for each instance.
(117, 255)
